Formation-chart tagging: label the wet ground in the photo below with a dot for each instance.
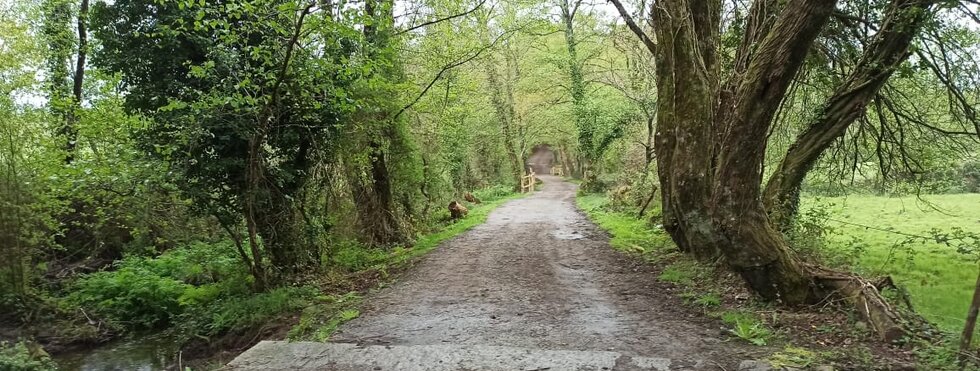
(538, 275)
(537, 287)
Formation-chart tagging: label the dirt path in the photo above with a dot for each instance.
(539, 275)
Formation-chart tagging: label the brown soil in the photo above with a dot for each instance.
(538, 274)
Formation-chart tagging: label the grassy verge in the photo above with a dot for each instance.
(799, 339)
(939, 280)
(703, 288)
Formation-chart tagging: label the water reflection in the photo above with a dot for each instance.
(150, 353)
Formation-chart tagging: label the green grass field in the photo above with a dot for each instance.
(940, 281)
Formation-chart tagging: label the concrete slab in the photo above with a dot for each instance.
(280, 355)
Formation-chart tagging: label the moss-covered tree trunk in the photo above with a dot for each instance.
(712, 135)
(374, 195)
(880, 59)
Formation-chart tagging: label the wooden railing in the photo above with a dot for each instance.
(558, 170)
(527, 181)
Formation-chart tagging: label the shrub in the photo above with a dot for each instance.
(239, 313)
(144, 293)
(132, 296)
(23, 357)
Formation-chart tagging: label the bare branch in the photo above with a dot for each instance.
(647, 41)
(443, 19)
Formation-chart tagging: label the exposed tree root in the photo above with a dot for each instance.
(889, 323)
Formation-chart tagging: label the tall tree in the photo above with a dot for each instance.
(373, 194)
(243, 117)
(593, 141)
(712, 130)
(502, 98)
(63, 91)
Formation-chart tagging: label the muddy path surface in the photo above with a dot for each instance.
(538, 274)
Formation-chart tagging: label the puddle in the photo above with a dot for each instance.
(567, 235)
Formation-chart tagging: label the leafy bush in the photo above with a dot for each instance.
(237, 313)
(354, 256)
(22, 357)
(145, 293)
(132, 296)
(199, 263)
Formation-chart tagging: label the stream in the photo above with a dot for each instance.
(149, 353)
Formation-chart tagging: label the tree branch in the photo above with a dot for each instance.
(443, 19)
(647, 41)
(447, 68)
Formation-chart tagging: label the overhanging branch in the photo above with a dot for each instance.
(443, 19)
(647, 41)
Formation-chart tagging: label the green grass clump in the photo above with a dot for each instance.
(319, 321)
(794, 357)
(747, 326)
(680, 274)
(628, 233)
(708, 300)
(939, 280)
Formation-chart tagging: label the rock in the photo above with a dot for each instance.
(754, 365)
(824, 368)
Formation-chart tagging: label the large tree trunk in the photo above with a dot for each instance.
(685, 88)
(750, 244)
(888, 49)
(712, 201)
(279, 223)
(711, 143)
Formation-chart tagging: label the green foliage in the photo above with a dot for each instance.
(493, 193)
(21, 356)
(791, 356)
(131, 296)
(747, 327)
(320, 320)
(939, 278)
(353, 256)
(708, 300)
(247, 312)
(142, 293)
(970, 171)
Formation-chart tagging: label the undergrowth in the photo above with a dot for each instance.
(202, 291)
(24, 356)
(810, 237)
(697, 281)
